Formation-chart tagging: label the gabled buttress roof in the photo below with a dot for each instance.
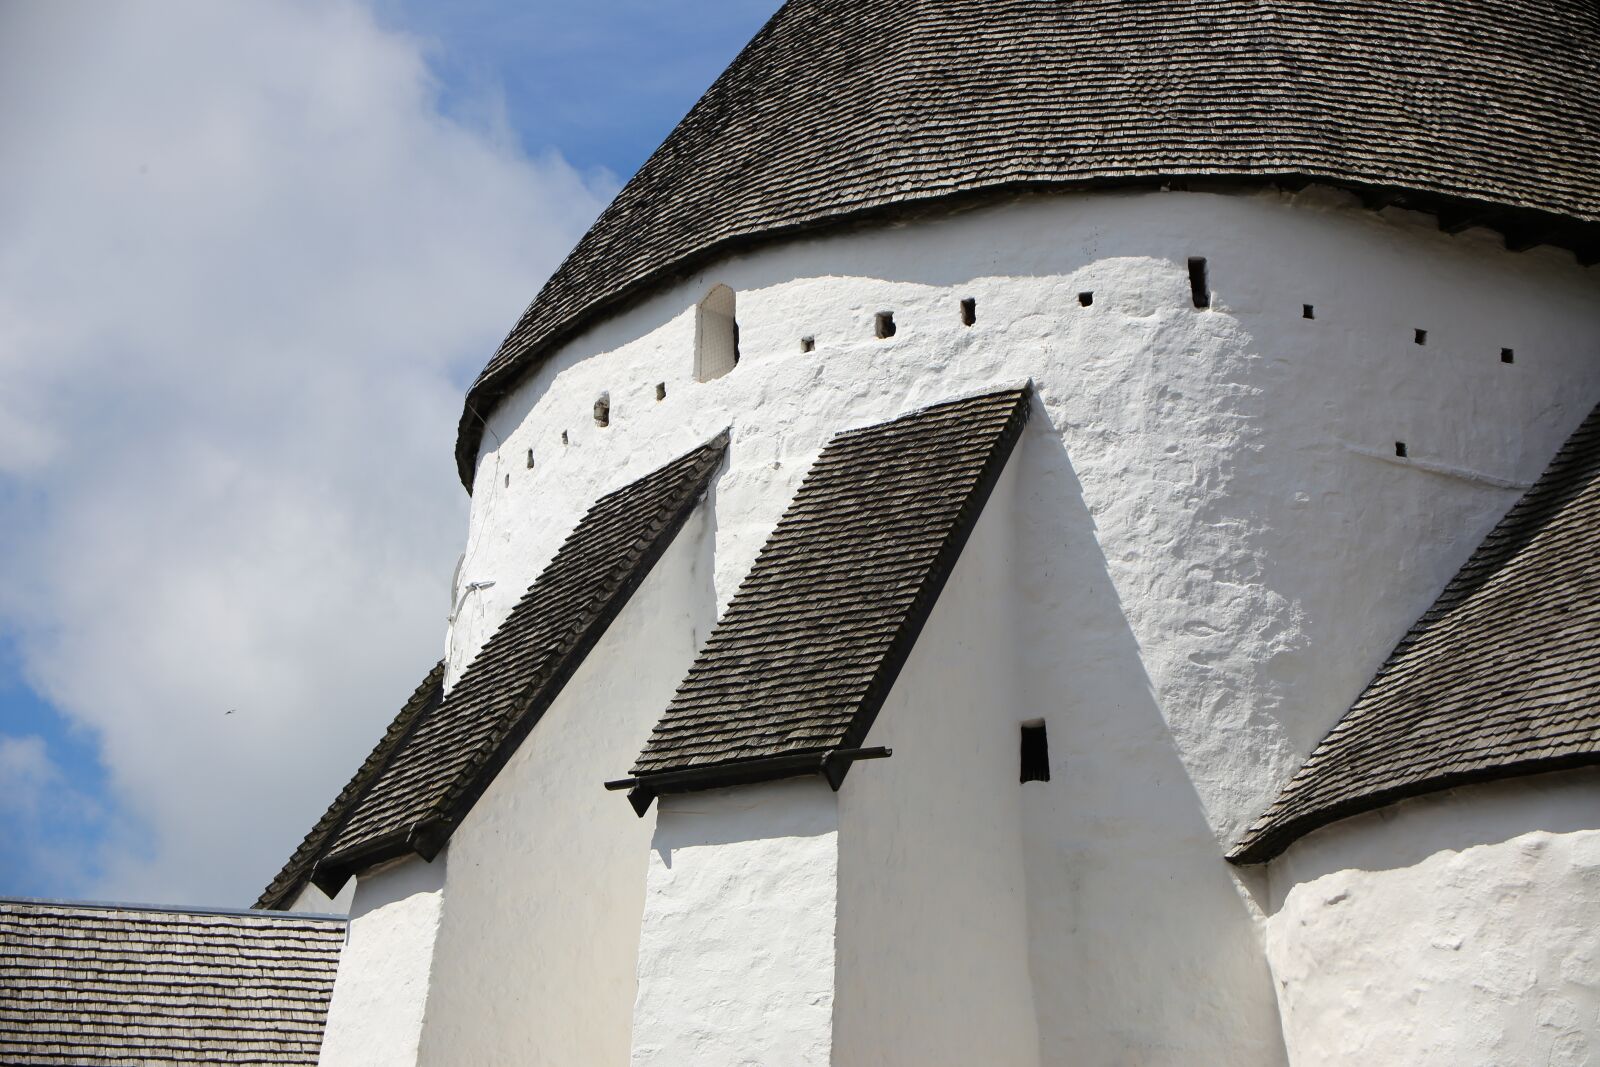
(1501, 677)
(811, 643)
(453, 749)
(283, 889)
(1486, 112)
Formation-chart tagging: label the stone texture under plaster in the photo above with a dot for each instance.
(1455, 929)
(933, 946)
(1231, 458)
(386, 968)
(736, 950)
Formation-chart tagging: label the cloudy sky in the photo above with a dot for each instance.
(250, 256)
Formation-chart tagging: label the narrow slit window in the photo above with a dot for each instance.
(1035, 752)
(564, 438)
(883, 324)
(530, 459)
(1307, 311)
(1400, 449)
(1199, 289)
(716, 335)
(1085, 299)
(661, 390)
(1420, 337)
(969, 311)
(1507, 356)
(602, 410)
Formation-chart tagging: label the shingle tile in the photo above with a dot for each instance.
(811, 642)
(111, 985)
(454, 749)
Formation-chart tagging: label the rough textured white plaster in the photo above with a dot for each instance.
(736, 950)
(1215, 544)
(536, 952)
(1230, 458)
(933, 926)
(1457, 929)
(376, 1016)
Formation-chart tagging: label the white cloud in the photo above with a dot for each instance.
(245, 269)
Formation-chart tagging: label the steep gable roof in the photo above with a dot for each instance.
(453, 752)
(121, 984)
(282, 890)
(812, 641)
(1485, 111)
(1501, 676)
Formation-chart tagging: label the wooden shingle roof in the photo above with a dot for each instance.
(283, 889)
(96, 986)
(813, 639)
(454, 750)
(1485, 111)
(1501, 676)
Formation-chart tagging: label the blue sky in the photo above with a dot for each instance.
(602, 82)
(219, 575)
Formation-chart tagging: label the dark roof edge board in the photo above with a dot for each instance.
(1274, 841)
(428, 836)
(1559, 485)
(1518, 225)
(833, 762)
(282, 890)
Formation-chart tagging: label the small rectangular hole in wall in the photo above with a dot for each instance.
(808, 344)
(530, 459)
(1199, 290)
(1085, 299)
(1507, 356)
(564, 437)
(1307, 311)
(1420, 337)
(1035, 752)
(661, 390)
(883, 324)
(508, 481)
(969, 311)
(1400, 449)
(602, 410)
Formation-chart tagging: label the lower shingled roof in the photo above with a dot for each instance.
(100, 985)
(1501, 677)
(811, 643)
(454, 751)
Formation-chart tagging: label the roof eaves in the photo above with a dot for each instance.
(426, 836)
(1566, 479)
(834, 761)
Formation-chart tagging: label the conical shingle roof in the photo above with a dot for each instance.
(1487, 111)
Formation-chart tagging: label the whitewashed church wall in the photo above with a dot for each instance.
(736, 949)
(311, 899)
(933, 925)
(1458, 928)
(1238, 461)
(1220, 544)
(1144, 948)
(535, 961)
(375, 1018)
